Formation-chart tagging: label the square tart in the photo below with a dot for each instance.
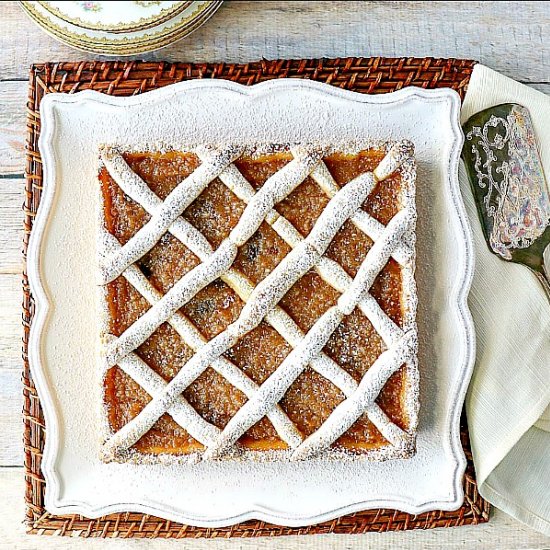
(308, 399)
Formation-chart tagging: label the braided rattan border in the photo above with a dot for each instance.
(366, 75)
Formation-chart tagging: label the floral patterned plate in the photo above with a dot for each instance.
(130, 42)
(114, 16)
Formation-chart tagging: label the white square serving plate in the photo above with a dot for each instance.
(64, 348)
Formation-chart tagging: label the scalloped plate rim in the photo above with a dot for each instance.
(462, 286)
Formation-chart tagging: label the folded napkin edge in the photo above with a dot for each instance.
(492, 460)
(521, 514)
(481, 72)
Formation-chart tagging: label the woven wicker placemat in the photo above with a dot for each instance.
(366, 75)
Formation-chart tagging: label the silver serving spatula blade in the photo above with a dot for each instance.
(507, 178)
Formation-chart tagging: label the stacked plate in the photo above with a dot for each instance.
(120, 28)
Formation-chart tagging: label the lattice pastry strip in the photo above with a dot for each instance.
(278, 383)
(262, 301)
(182, 412)
(329, 270)
(191, 237)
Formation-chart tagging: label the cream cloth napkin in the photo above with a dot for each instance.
(508, 399)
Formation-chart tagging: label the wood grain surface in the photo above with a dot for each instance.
(487, 31)
(512, 37)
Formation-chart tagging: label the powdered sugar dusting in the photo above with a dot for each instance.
(262, 301)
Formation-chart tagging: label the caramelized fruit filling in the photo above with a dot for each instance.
(355, 345)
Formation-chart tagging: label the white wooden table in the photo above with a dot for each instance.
(512, 37)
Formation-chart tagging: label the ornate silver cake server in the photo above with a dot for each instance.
(507, 179)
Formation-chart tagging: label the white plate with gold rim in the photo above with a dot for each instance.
(148, 45)
(173, 36)
(127, 43)
(114, 16)
(63, 346)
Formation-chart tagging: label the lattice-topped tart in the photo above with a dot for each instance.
(259, 302)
